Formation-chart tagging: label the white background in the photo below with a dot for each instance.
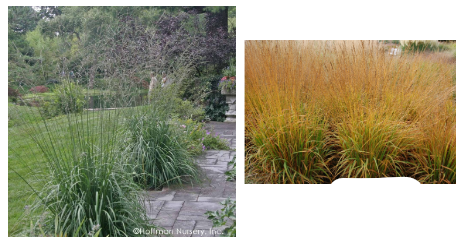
(394, 207)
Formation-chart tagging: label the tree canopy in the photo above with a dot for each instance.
(45, 42)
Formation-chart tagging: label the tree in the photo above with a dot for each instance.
(22, 19)
(49, 12)
(217, 17)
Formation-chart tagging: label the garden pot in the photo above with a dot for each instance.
(230, 96)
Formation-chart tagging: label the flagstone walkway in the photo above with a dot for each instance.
(180, 210)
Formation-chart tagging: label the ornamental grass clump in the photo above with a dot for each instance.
(158, 150)
(85, 181)
(364, 112)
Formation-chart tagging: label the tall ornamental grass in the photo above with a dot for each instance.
(159, 150)
(86, 186)
(321, 110)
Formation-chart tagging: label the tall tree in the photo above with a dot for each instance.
(22, 19)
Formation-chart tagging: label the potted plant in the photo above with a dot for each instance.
(227, 85)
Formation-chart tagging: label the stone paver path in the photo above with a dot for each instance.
(180, 210)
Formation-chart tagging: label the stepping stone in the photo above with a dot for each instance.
(183, 228)
(166, 218)
(164, 195)
(181, 196)
(172, 205)
(211, 199)
(153, 208)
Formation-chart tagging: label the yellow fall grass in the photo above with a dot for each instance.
(320, 110)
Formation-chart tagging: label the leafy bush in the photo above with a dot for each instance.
(204, 91)
(13, 94)
(214, 142)
(186, 110)
(69, 98)
(39, 89)
(199, 139)
(167, 99)
(220, 218)
(159, 150)
(216, 107)
(231, 174)
(422, 45)
(230, 71)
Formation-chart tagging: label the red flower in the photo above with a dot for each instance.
(233, 78)
(224, 78)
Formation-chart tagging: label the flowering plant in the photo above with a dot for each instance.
(39, 89)
(227, 83)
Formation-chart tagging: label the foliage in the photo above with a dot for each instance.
(218, 217)
(167, 99)
(204, 91)
(212, 47)
(422, 45)
(216, 107)
(199, 139)
(69, 97)
(46, 50)
(13, 94)
(37, 230)
(113, 50)
(214, 142)
(228, 84)
(318, 111)
(231, 174)
(230, 71)
(158, 149)
(88, 180)
(22, 19)
(39, 89)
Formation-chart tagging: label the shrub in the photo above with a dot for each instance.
(216, 107)
(167, 99)
(199, 139)
(230, 71)
(214, 142)
(69, 97)
(39, 89)
(422, 45)
(205, 91)
(186, 110)
(158, 149)
(13, 94)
